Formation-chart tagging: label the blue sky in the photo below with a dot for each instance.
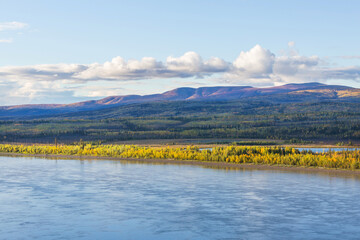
(56, 51)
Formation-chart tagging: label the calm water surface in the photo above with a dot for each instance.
(321, 150)
(73, 199)
(315, 150)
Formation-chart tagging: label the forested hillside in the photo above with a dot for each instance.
(251, 119)
(290, 93)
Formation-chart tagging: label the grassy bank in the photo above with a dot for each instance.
(231, 154)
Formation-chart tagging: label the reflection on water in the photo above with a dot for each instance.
(73, 199)
(323, 150)
(315, 150)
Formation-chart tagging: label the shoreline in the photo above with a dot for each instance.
(218, 165)
(207, 143)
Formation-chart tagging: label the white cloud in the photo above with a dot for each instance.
(46, 72)
(191, 63)
(256, 67)
(347, 73)
(29, 91)
(188, 65)
(256, 61)
(95, 91)
(10, 26)
(4, 26)
(119, 69)
(260, 67)
(296, 69)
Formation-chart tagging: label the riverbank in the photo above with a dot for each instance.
(210, 143)
(253, 155)
(207, 164)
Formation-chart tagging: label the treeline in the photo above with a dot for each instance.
(194, 120)
(231, 154)
(67, 133)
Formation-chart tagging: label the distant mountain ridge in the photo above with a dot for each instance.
(286, 93)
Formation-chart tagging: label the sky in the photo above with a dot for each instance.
(69, 51)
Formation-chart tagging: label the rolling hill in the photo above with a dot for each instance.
(290, 93)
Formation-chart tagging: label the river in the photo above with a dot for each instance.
(103, 199)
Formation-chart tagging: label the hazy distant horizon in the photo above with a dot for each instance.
(160, 92)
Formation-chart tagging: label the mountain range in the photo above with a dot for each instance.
(305, 92)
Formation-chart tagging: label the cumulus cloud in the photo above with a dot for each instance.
(256, 67)
(47, 72)
(191, 63)
(120, 69)
(261, 67)
(257, 61)
(188, 65)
